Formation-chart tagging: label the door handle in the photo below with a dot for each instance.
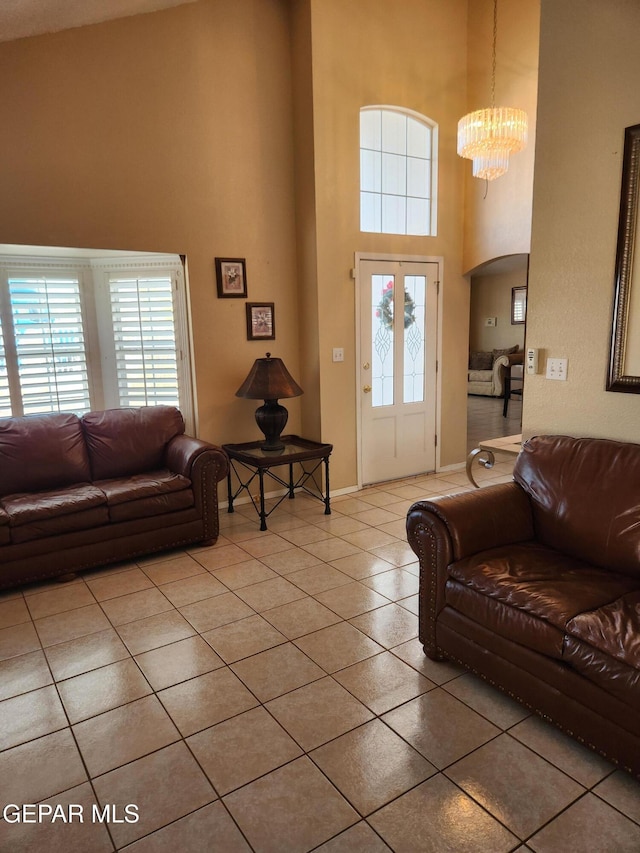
(367, 389)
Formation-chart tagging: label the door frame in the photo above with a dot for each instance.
(384, 256)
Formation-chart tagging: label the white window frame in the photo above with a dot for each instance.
(93, 276)
(162, 266)
(432, 199)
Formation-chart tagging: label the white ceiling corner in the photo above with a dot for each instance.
(23, 18)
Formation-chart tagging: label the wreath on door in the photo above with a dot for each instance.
(384, 310)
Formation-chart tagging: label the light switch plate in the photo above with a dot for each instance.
(557, 368)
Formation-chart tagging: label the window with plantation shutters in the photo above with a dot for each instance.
(144, 338)
(89, 333)
(5, 397)
(49, 344)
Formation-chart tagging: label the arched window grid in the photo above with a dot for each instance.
(398, 171)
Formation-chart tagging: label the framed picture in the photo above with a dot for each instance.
(261, 321)
(231, 277)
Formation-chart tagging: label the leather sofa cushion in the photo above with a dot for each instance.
(121, 442)
(123, 489)
(26, 508)
(5, 533)
(613, 629)
(614, 676)
(604, 646)
(528, 592)
(156, 505)
(505, 620)
(144, 495)
(43, 527)
(52, 445)
(585, 495)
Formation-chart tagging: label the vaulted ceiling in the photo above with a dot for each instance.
(21, 18)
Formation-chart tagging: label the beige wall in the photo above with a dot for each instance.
(589, 63)
(491, 297)
(367, 53)
(167, 132)
(176, 132)
(230, 128)
(498, 213)
(306, 236)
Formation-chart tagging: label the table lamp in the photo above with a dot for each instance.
(269, 380)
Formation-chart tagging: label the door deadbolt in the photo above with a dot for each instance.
(367, 389)
(366, 365)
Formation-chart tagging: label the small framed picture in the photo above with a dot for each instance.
(231, 277)
(261, 321)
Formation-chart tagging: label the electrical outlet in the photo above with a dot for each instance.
(338, 354)
(557, 368)
(491, 321)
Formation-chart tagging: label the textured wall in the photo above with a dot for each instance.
(588, 62)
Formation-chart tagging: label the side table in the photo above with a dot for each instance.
(508, 444)
(248, 461)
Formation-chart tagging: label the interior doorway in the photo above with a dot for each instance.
(494, 326)
(397, 367)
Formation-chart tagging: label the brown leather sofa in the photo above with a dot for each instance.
(535, 586)
(80, 492)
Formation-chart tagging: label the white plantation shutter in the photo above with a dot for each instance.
(82, 333)
(5, 397)
(145, 340)
(49, 344)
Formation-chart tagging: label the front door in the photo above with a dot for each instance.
(398, 346)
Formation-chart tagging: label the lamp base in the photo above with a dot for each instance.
(272, 419)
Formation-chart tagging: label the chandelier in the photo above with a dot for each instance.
(489, 136)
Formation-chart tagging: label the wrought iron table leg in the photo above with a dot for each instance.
(327, 504)
(487, 462)
(229, 492)
(263, 514)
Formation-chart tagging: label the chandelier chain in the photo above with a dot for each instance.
(490, 136)
(493, 62)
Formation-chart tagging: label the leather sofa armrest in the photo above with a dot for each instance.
(446, 529)
(183, 450)
(516, 358)
(205, 465)
(481, 519)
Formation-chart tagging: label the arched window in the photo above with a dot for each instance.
(398, 171)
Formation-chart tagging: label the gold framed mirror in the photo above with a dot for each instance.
(624, 358)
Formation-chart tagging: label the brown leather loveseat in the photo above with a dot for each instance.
(535, 586)
(80, 492)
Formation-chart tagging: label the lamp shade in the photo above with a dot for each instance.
(269, 379)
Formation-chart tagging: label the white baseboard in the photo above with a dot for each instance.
(457, 466)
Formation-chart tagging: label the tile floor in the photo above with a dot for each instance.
(485, 419)
(270, 694)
